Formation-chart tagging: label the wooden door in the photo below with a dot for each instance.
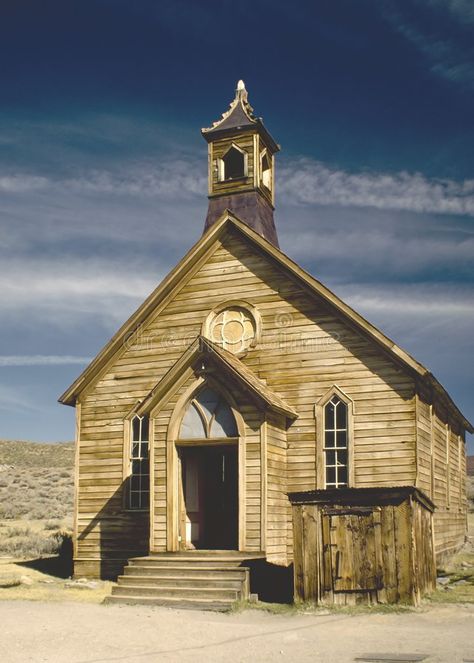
(351, 551)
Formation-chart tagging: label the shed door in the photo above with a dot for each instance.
(353, 556)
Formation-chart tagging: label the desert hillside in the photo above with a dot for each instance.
(36, 496)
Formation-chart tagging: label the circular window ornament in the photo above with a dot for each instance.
(234, 327)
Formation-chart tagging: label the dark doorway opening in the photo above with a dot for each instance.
(209, 497)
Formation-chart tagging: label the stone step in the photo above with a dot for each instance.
(189, 570)
(157, 591)
(172, 602)
(186, 580)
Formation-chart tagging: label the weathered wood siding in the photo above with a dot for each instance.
(278, 518)
(306, 348)
(441, 472)
(106, 533)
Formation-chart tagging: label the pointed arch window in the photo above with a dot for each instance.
(208, 416)
(139, 478)
(336, 443)
(233, 164)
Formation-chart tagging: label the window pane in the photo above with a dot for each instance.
(144, 450)
(208, 400)
(135, 450)
(134, 483)
(329, 416)
(192, 426)
(145, 427)
(341, 415)
(342, 458)
(144, 499)
(145, 468)
(341, 439)
(136, 421)
(134, 500)
(330, 458)
(330, 474)
(329, 439)
(224, 423)
(342, 474)
(136, 466)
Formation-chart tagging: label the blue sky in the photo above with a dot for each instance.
(103, 169)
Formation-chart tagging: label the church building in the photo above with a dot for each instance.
(241, 390)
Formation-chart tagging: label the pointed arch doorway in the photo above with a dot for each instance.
(208, 462)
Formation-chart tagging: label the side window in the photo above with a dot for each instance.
(336, 443)
(139, 478)
(266, 170)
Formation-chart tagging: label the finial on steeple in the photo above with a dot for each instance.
(241, 93)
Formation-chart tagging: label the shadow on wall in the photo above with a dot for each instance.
(272, 583)
(113, 536)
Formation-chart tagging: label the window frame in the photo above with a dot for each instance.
(128, 459)
(207, 423)
(319, 412)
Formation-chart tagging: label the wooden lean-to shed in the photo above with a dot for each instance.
(363, 545)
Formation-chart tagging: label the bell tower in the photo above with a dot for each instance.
(241, 167)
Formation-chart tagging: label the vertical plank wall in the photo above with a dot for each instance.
(441, 462)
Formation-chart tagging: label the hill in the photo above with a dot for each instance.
(36, 454)
(36, 496)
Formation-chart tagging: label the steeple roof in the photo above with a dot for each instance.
(239, 118)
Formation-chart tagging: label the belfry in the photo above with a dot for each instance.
(242, 167)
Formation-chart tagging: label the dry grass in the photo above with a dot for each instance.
(18, 581)
(36, 497)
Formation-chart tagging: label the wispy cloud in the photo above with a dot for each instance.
(310, 182)
(13, 400)
(300, 180)
(42, 360)
(447, 57)
(62, 292)
(461, 10)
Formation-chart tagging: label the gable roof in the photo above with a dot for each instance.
(204, 349)
(227, 223)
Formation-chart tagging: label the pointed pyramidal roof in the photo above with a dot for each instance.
(238, 119)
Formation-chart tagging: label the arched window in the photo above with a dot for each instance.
(208, 416)
(336, 443)
(139, 479)
(234, 164)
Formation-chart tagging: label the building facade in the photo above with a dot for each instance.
(241, 379)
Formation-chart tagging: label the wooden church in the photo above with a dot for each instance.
(245, 421)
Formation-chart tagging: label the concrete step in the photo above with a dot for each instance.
(172, 602)
(176, 570)
(185, 580)
(163, 592)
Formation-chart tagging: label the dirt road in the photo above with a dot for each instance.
(81, 633)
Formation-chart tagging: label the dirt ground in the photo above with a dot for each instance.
(86, 633)
(47, 617)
